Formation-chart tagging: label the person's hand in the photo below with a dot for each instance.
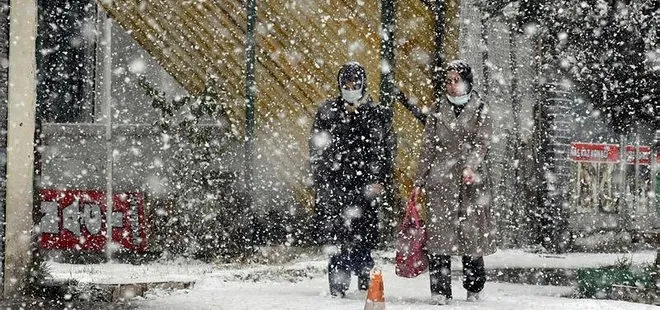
(469, 176)
(417, 191)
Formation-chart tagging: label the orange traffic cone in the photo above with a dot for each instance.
(375, 295)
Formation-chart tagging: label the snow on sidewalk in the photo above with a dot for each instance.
(303, 284)
(215, 292)
(521, 259)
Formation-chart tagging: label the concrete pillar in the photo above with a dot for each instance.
(20, 143)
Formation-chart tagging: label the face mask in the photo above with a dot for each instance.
(461, 87)
(459, 100)
(351, 96)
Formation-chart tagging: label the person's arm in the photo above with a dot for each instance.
(482, 141)
(390, 150)
(387, 147)
(319, 140)
(428, 153)
(415, 110)
(381, 151)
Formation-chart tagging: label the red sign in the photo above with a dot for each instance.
(74, 219)
(643, 154)
(609, 153)
(593, 152)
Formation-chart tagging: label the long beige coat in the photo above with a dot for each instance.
(460, 221)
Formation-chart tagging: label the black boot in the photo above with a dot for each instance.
(339, 275)
(363, 282)
(440, 275)
(339, 281)
(474, 274)
(363, 264)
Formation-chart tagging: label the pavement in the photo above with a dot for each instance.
(112, 285)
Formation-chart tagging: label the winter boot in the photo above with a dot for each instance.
(473, 296)
(440, 300)
(339, 282)
(363, 282)
(337, 292)
(339, 275)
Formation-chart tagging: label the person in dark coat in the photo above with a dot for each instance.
(453, 172)
(351, 156)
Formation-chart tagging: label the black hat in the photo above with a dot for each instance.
(463, 69)
(352, 71)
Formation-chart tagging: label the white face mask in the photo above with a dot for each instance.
(351, 96)
(459, 100)
(461, 87)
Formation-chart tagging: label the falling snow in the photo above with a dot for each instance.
(163, 135)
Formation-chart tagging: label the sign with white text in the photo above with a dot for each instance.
(594, 152)
(609, 153)
(74, 219)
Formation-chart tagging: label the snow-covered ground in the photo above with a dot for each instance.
(302, 284)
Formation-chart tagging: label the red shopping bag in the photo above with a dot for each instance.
(411, 259)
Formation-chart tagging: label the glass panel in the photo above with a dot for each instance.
(66, 44)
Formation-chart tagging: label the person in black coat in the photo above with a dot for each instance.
(351, 155)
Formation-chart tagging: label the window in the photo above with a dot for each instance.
(66, 60)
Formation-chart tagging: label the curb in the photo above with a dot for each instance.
(634, 294)
(534, 276)
(72, 291)
(124, 292)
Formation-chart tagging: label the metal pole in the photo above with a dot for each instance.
(636, 197)
(484, 57)
(388, 26)
(623, 190)
(39, 145)
(595, 188)
(578, 205)
(250, 89)
(439, 59)
(655, 149)
(388, 12)
(250, 84)
(106, 98)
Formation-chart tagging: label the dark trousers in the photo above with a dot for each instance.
(474, 274)
(357, 260)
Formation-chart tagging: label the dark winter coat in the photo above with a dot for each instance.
(349, 151)
(460, 221)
